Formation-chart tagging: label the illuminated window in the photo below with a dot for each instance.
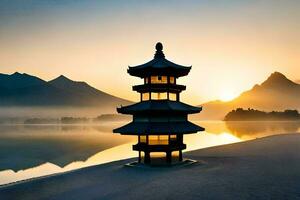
(172, 79)
(175, 156)
(159, 79)
(157, 154)
(173, 137)
(159, 95)
(158, 139)
(143, 138)
(145, 96)
(173, 96)
(146, 80)
(175, 153)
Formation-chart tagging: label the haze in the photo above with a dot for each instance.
(232, 45)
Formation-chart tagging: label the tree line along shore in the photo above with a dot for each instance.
(249, 114)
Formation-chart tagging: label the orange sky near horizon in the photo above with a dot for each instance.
(231, 45)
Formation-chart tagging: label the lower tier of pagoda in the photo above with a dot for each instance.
(163, 128)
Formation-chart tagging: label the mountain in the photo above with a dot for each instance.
(276, 93)
(88, 94)
(23, 90)
(26, 90)
(18, 80)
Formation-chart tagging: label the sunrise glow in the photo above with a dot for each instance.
(227, 95)
(92, 39)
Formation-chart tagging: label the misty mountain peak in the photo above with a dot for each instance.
(16, 74)
(22, 75)
(18, 80)
(277, 80)
(277, 76)
(62, 78)
(63, 82)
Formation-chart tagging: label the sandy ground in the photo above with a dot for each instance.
(266, 168)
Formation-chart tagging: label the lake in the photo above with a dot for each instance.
(28, 151)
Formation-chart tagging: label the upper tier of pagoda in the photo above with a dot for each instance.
(159, 66)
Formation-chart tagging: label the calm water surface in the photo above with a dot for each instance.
(28, 151)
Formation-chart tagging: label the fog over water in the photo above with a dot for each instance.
(54, 111)
(28, 151)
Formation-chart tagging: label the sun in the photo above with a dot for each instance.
(227, 95)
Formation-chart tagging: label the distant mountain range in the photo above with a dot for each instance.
(276, 93)
(26, 90)
(23, 90)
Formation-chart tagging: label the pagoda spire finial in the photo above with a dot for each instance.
(159, 53)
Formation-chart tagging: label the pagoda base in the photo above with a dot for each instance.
(183, 163)
(159, 154)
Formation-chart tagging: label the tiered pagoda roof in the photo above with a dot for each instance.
(159, 66)
(159, 120)
(163, 128)
(160, 106)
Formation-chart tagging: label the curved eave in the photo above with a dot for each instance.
(159, 66)
(160, 106)
(166, 71)
(160, 128)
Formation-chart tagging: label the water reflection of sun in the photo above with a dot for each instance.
(227, 137)
(205, 139)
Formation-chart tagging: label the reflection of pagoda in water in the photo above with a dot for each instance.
(159, 119)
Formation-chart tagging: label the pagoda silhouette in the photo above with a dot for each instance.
(159, 120)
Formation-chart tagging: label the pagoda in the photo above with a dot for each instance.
(159, 120)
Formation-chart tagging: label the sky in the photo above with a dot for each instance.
(232, 45)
